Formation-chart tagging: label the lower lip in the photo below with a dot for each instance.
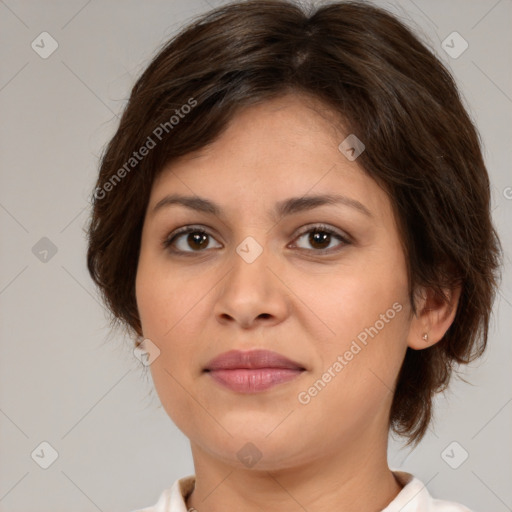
(253, 380)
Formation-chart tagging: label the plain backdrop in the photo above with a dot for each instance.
(65, 380)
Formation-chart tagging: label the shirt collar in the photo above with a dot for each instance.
(413, 497)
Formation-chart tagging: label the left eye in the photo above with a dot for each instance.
(322, 236)
(197, 238)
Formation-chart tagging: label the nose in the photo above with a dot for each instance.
(252, 293)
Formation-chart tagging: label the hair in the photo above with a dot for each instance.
(387, 87)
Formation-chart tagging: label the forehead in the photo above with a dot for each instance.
(284, 147)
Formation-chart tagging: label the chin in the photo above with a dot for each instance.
(257, 450)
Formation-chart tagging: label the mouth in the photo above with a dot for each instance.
(252, 371)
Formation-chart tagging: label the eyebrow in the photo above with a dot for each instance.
(282, 209)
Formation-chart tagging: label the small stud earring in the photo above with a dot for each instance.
(425, 337)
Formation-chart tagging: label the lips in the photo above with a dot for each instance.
(253, 371)
(236, 359)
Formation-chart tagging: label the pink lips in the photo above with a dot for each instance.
(252, 371)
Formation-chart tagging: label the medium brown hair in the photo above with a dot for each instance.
(387, 87)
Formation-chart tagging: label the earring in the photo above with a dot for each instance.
(425, 337)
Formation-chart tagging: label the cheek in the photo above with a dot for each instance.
(163, 296)
(365, 310)
(166, 312)
(348, 300)
(164, 308)
(169, 306)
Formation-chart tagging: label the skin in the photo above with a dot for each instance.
(302, 299)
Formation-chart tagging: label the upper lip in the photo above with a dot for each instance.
(234, 359)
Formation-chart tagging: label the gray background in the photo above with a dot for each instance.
(65, 379)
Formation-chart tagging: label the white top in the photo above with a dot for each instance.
(414, 497)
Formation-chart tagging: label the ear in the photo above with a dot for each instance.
(433, 317)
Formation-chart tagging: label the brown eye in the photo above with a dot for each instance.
(190, 240)
(196, 240)
(320, 238)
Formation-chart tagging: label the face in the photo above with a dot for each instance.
(323, 285)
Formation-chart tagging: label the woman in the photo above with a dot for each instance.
(293, 221)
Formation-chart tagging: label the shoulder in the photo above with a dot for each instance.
(415, 497)
(173, 499)
(448, 506)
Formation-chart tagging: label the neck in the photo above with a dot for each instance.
(347, 480)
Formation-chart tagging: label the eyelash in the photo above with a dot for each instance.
(170, 239)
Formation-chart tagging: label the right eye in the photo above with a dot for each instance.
(197, 238)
